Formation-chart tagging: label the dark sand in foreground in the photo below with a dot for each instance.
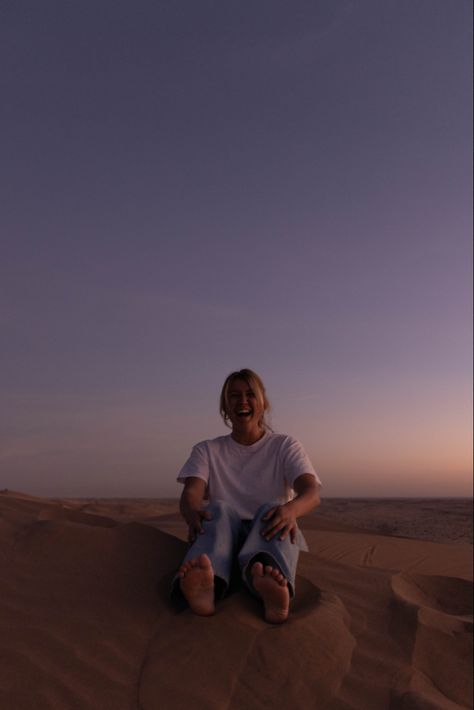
(379, 621)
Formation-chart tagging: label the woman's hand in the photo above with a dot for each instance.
(281, 521)
(191, 506)
(194, 520)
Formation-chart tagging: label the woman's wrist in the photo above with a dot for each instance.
(303, 503)
(292, 506)
(188, 507)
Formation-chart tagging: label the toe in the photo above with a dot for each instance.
(257, 569)
(204, 561)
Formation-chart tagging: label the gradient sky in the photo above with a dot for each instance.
(191, 187)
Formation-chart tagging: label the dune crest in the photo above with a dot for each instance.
(62, 512)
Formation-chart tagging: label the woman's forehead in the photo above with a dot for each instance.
(239, 385)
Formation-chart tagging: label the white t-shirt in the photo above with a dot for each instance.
(246, 477)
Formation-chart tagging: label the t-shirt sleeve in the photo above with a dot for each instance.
(296, 461)
(197, 464)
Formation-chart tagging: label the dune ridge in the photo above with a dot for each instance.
(377, 621)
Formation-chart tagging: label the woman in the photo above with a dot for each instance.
(250, 478)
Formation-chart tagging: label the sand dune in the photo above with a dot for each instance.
(377, 622)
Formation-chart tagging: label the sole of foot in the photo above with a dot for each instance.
(197, 585)
(273, 588)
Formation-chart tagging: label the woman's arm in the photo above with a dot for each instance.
(190, 506)
(282, 518)
(307, 495)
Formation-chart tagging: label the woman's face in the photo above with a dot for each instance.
(244, 406)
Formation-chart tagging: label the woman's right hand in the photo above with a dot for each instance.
(194, 520)
(191, 506)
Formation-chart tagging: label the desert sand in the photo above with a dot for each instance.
(379, 621)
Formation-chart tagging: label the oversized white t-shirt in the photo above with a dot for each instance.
(245, 477)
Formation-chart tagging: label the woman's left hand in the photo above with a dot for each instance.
(281, 520)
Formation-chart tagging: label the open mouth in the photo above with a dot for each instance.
(244, 413)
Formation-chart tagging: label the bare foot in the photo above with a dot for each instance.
(273, 588)
(197, 585)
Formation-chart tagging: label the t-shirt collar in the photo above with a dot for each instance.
(251, 447)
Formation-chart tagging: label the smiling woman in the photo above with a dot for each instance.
(244, 403)
(257, 483)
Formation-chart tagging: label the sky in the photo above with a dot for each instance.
(190, 188)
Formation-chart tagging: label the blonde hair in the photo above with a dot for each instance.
(255, 383)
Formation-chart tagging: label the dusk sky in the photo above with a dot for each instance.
(190, 187)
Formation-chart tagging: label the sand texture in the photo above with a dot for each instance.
(378, 621)
(433, 519)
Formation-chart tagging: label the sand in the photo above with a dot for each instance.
(379, 621)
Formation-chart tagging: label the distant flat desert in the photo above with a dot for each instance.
(382, 617)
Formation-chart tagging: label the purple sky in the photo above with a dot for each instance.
(189, 188)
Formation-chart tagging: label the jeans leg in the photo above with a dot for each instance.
(218, 542)
(282, 554)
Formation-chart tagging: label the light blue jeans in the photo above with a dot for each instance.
(227, 538)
